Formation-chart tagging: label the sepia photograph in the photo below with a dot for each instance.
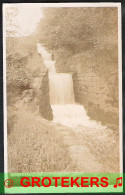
(62, 87)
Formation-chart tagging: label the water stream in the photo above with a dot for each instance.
(65, 109)
(101, 141)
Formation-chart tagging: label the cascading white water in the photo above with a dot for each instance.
(41, 50)
(65, 110)
(50, 65)
(61, 89)
(60, 84)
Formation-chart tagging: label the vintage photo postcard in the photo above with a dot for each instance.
(62, 87)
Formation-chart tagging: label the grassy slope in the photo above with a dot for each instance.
(34, 145)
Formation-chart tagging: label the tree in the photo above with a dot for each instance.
(11, 13)
(78, 28)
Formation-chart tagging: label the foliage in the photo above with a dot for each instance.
(21, 63)
(10, 17)
(19, 75)
(17, 78)
(78, 28)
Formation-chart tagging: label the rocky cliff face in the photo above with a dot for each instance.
(97, 94)
(93, 92)
(44, 100)
(41, 87)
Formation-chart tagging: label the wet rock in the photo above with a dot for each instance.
(98, 94)
(44, 100)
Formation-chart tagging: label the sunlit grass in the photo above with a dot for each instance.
(34, 145)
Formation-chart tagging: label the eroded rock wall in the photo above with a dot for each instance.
(41, 88)
(96, 93)
(44, 100)
(93, 92)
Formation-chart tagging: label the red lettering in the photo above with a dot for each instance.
(82, 182)
(43, 184)
(56, 178)
(103, 181)
(28, 182)
(63, 182)
(94, 182)
(74, 181)
(37, 182)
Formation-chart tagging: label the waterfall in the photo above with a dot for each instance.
(60, 84)
(61, 89)
(50, 66)
(65, 110)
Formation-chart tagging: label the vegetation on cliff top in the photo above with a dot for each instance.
(91, 31)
